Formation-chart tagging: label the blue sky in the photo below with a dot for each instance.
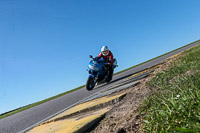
(44, 44)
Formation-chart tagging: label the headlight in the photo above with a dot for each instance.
(93, 68)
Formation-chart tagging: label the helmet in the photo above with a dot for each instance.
(104, 50)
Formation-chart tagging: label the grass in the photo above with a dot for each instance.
(175, 104)
(37, 103)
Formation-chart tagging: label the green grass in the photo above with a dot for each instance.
(37, 103)
(175, 104)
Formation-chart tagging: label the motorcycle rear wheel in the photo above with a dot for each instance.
(90, 84)
(108, 79)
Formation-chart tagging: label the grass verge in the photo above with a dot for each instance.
(37, 103)
(175, 104)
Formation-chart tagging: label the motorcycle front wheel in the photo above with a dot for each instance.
(90, 84)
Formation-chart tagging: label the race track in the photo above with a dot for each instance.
(29, 118)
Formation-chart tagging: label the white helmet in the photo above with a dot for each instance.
(104, 50)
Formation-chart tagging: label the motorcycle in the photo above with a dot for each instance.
(98, 72)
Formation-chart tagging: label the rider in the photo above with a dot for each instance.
(108, 58)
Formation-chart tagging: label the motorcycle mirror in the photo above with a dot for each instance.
(91, 56)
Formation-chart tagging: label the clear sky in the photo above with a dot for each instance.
(44, 44)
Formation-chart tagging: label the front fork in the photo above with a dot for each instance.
(94, 76)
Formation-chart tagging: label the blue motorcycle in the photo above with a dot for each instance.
(98, 72)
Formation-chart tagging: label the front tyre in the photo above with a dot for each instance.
(90, 84)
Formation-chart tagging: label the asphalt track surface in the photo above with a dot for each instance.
(24, 120)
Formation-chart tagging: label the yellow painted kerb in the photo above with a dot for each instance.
(68, 125)
(174, 56)
(62, 124)
(134, 75)
(86, 105)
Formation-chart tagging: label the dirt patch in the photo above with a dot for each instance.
(125, 116)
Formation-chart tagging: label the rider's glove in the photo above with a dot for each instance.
(96, 58)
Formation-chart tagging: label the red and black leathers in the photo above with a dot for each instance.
(108, 58)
